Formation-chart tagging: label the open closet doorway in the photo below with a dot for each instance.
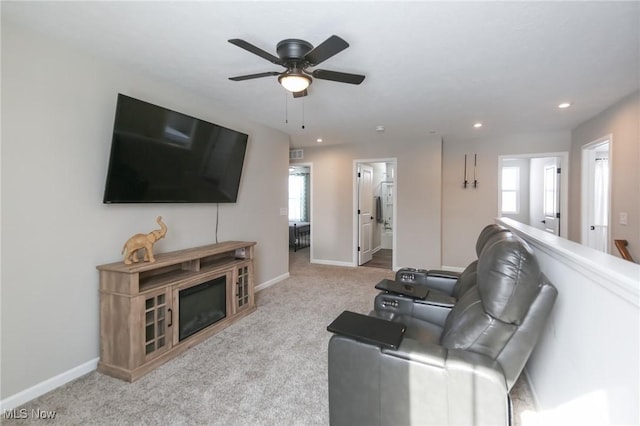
(596, 194)
(300, 198)
(375, 202)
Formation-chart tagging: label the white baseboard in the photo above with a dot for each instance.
(332, 263)
(452, 268)
(534, 395)
(271, 282)
(48, 385)
(54, 382)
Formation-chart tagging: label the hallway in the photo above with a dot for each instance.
(381, 259)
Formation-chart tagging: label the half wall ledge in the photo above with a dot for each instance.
(585, 367)
(615, 274)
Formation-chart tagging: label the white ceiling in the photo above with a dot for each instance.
(431, 67)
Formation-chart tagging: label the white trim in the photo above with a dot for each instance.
(614, 274)
(48, 385)
(394, 224)
(452, 268)
(52, 383)
(271, 282)
(332, 263)
(534, 394)
(587, 153)
(564, 184)
(598, 301)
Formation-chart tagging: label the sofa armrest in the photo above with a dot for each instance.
(416, 384)
(439, 273)
(442, 280)
(433, 310)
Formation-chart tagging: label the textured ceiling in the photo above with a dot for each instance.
(431, 67)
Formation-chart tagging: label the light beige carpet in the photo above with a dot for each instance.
(270, 368)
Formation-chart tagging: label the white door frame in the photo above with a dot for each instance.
(550, 222)
(394, 161)
(366, 220)
(564, 184)
(588, 152)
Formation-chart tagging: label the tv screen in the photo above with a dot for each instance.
(163, 156)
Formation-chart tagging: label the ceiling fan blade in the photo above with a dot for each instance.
(300, 94)
(325, 50)
(250, 76)
(255, 50)
(341, 77)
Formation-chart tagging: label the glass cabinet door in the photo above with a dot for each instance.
(243, 288)
(157, 319)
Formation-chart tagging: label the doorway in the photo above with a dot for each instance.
(596, 194)
(375, 203)
(299, 210)
(532, 189)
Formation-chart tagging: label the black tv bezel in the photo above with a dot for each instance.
(109, 171)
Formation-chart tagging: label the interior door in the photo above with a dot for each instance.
(365, 213)
(551, 200)
(596, 165)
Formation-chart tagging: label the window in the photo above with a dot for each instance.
(298, 198)
(510, 190)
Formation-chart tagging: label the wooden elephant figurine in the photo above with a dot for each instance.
(143, 241)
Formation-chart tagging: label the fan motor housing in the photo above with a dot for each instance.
(293, 49)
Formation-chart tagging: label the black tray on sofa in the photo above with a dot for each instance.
(404, 289)
(372, 330)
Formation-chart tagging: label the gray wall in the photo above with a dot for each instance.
(622, 121)
(418, 183)
(466, 211)
(58, 107)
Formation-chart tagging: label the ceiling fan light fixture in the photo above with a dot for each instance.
(294, 81)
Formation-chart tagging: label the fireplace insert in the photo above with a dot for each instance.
(202, 305)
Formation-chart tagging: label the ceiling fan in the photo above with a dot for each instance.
(297, 56)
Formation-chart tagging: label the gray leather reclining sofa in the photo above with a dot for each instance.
(453, 367)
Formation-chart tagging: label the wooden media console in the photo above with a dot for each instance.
(140, 304)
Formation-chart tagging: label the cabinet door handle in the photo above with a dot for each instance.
(170, 317)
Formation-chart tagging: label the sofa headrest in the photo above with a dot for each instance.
(508, 279)
(487, 233)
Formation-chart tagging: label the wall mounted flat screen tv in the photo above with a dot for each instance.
(163, 156)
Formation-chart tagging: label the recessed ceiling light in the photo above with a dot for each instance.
(319, 140)
(380, 129)
(477, 125)
(564, 105)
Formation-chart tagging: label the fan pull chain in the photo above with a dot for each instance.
(286, 108)
(302, 113)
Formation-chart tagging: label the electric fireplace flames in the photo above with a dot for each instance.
(202, 305)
